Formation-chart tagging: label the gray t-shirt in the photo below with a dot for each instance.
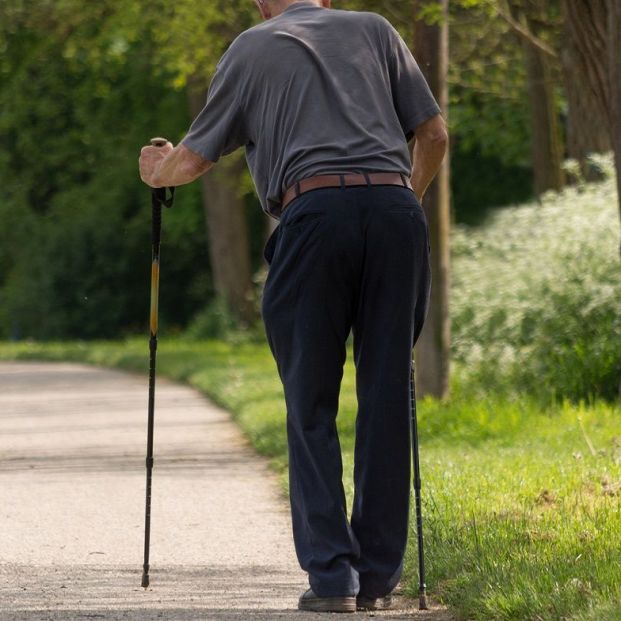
(314, 91)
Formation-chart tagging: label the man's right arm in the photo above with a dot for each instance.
(168, 167)
(431, 140)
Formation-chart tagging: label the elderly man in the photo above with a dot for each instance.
(324, 102)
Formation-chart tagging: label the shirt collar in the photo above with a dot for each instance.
(301, 4)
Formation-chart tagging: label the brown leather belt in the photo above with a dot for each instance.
(341, 181)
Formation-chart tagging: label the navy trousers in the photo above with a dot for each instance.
(344, 259)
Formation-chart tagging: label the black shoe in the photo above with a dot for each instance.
(311, 602)
(374, 603)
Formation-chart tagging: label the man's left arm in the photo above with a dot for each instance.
(168, 166)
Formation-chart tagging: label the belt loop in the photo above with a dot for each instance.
(405, 183)
(298, 189)
(367, 178)
(342, 180)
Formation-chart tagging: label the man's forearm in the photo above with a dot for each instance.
(178, 167)
(428, 155)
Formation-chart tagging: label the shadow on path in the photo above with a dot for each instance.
(72, 593)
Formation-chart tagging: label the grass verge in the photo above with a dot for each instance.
(522, 505)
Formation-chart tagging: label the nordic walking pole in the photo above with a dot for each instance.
(422, 587)
(158, 198)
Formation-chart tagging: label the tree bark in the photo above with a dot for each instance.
(547, 152)
(433, 349)
(547, 148)
(614, 72)
(227, 230)
(587, 123)
(595, 29)
(586, 24)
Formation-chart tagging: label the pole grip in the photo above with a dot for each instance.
(158, 197)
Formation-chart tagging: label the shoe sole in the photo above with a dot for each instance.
(328, 604)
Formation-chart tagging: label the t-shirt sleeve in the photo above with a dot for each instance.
(411, 94)
(219, 127)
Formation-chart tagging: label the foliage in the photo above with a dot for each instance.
(521, 503)
(78, 98)
(216, 321)
(83, 85)
(480, 184)
(191, 36)
(537, 296)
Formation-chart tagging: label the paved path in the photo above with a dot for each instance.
(72, 443)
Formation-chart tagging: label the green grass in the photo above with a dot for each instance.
(523, 519)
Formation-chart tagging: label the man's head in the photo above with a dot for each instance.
(272, 8)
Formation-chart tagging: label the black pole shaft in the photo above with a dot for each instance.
(422, 587)
(156, 205)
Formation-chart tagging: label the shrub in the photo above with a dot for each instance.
(537, 295)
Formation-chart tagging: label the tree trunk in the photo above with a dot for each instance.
(595, 29)
(547, 151)
(587, 122)
(433, 349)
(586, 23)
(227, 230)
(614, 72)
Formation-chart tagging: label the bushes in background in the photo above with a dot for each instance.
(537, 296)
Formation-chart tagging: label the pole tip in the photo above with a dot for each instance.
(422, 601)
(145, 580)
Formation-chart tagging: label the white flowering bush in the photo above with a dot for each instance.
(536, 294)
